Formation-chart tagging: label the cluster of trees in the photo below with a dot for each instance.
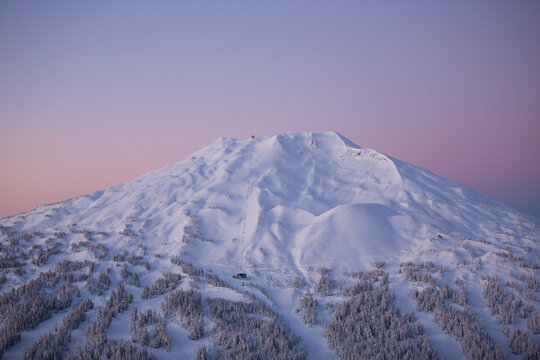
(59, 234)
(188, 306)
(132, 278)
(126, 231)
(530, 295)
(86, 234)
(139, 329)
(193, 231)
(164, 284)
(201, 353)
(494, 293)
(521, 343)
(252, 331)
(118, 302)
(138, 260)
(369, 326)
(100, 285)
(533, 323)
(77, 315)
(526, 311)
(135, 260)
(30, 304)
(6, 230)
(13, 256)
(187, 268)
(65, 295)
(469, 329)
(514, 286)
(308, 308)
(507, 306)
(13, 240)
(428, 299)
(364, 283)
(532, 282)
(518, 260)
(78, 246)
(298, 282)
(97, 346)
(420, 272)
(54, 344)
(18, 271)
(513, 305)
(142, 247)
(10, 261)
(462, 323)
(481, 241)
(66, 270)
(100, 251)
(325, 285)
(113, 350)
(120, 257)
(43, 254)
(160, 339)
(214, 280)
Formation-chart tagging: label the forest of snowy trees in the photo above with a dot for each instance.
(460, 320)
(149, 329)
(164, 284)
(188, 306)
(53, 345)
(308, 308)
(28, 305)
(97, 345)
(504, 304)
(325, 285)
(253, 331)
(369, 326)
(359, 322)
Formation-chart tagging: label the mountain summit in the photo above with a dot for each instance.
(291, 211)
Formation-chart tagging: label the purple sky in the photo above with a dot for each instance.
(95, 93)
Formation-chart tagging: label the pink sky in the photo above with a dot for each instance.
(95, 94)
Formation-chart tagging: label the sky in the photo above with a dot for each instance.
(96, 93)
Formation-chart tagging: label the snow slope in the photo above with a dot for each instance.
(280, 207)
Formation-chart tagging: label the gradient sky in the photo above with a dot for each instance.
(95, 93)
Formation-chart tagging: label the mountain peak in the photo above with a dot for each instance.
(313, 172)
(328, 136)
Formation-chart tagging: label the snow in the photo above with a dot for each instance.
(278, 207)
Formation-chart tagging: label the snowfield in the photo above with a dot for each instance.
(334, 239)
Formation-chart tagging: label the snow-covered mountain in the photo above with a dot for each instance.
(317, 224)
